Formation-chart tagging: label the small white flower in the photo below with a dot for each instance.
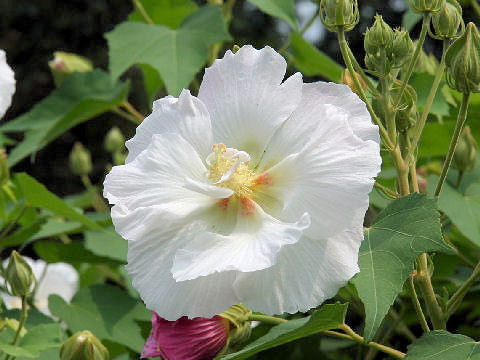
(58, 278)
(7, 84)
(273, 218)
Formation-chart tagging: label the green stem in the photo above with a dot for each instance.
(345, 53)
(413, 61)
(425, 283)
(11, 225)
(457, 298)
(266, 319)
(23, 318)
(364, 76)
(134, 112)
(350, 334)
(97, 203)
(142, 11)
(301, 32)
(462, 117)
(125, 115)
(430, 99)
(417, 306)
(389, 193)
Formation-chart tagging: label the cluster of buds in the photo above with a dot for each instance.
(339, 15)
(466, 151)
(386, 48)
(407, 113)
(114, 143)
(463, 61)
(83, 345)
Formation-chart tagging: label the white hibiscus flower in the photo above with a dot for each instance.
(254, 192)
(7, 84)
(58, 278)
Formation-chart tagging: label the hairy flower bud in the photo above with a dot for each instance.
(4, 171)
(80, 160)
(466, 151)
(402, 47)
(114, 140)
(463, 61)
(83, 345)
(64, 64)
(348, 80)
(448, 22)
(407, 114)
(19, 276)
(378, 37)
(339, 14)
(427, 6)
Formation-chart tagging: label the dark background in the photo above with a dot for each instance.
(31, 30)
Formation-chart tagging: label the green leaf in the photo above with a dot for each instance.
(73, 253)
(442, 345)
(410, 19)
(106, 243)
(329, 316)
(43, 337)
(176, 54)
(282, 9)
(81, 96)
(311, 61)
(463, 208)
(108, 312)
(18, 351)
(37, 195)
(406, 228)
(23, 235)
(170, 13)
(422, 82)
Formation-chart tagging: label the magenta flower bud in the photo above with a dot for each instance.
(187, 339)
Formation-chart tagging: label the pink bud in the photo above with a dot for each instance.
(187, 339)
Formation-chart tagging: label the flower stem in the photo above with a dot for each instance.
(125, 115)
(364, 76)
(475, 6)
(417, 306)
(142, 11)
(430, 99)
(350, 334)
(425, 283)
(457, 298)
(23, 318)
(129, 107)
(345, 53)
(462, 117)
(97, 203)
(413, 60)
(389, 193)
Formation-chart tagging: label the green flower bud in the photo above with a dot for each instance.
(4, 171)
(83, 345)
(463, 61)
(402, 48)
(448, 23)
(466, 151)
(240, 329)
(378, 37)
(372, 62)
(80, 160)
(19, 276)
(427, 6)
(339, 14)
(64, 64)
(114, 141)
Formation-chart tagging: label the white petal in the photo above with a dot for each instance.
(159, 179)
(186, 116)
(246, 99)
(149, 262)
(329, 177)
(7, 84)
(310, 114)
(305, 275)
(252, 245)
